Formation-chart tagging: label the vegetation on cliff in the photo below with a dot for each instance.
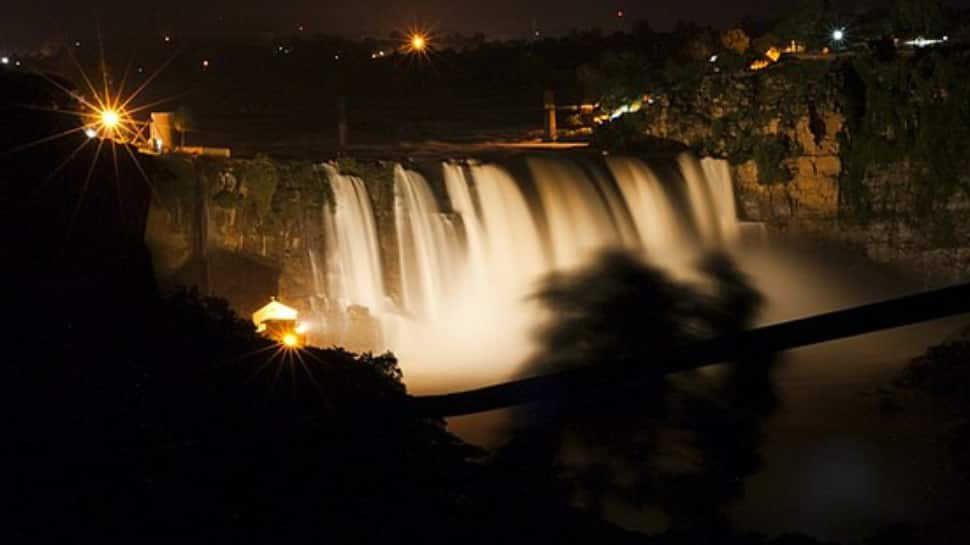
(876, 108)
(912, 111)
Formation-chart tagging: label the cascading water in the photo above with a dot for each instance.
(652, 211)
(578, 214)
(701, 200)
(353, 273)
(428, 246)
(717, 173)
(469, 258)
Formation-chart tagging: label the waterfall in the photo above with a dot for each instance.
(701, 200)
(653, 213)
(428, 247)
(718, 175)
(505, 251)
(577, 216)
(353, 261)
(471, 255)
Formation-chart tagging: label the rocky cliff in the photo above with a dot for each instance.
(872, 152)
(238, 227)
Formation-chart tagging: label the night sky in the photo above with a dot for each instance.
(36, 21)
(39, 20)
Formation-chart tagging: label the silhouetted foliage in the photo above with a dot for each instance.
(943, 373)
(130, 416)
(682, 442)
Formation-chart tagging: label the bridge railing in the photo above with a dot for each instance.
(595, 380)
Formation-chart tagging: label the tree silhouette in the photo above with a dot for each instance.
(683, 441)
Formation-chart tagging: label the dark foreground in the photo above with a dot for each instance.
(133, 415)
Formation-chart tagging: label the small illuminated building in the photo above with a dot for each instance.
(279, 322)
(161, 139)
(162, 131)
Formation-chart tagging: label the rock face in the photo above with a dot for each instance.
(240, 228)
(251, 229)
(789, 133)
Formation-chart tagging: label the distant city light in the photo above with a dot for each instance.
(925, 42)
(713, 58)
(205, 63)
(4, 60)
(838, 34)
(77, 43)
(619, 13)
(760, 64)
(90, 132)
(168, 39)
(299, 28)
(419, 42)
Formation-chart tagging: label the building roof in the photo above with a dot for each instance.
(274, 311)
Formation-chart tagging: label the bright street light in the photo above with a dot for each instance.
(419, 42)
(110, 119)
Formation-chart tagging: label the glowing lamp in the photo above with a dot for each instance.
(418, 42)
(110, 118)
(90, 132)
(838, 35)
(290, 340)
(4, 60)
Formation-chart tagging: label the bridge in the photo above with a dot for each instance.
(592, 381)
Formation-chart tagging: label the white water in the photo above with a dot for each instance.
(469, 258)
(353, 265)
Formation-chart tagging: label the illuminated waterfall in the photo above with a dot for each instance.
(512, 250)
(701, 200)
(429, 249)
(718, 176)
(353, 267)
(653, 212)
(578, 216)
(469, 257)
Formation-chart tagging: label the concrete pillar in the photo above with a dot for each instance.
(342, 122)
(549, 100)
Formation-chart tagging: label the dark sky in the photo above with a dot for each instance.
(36, 20)
(39, 20)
